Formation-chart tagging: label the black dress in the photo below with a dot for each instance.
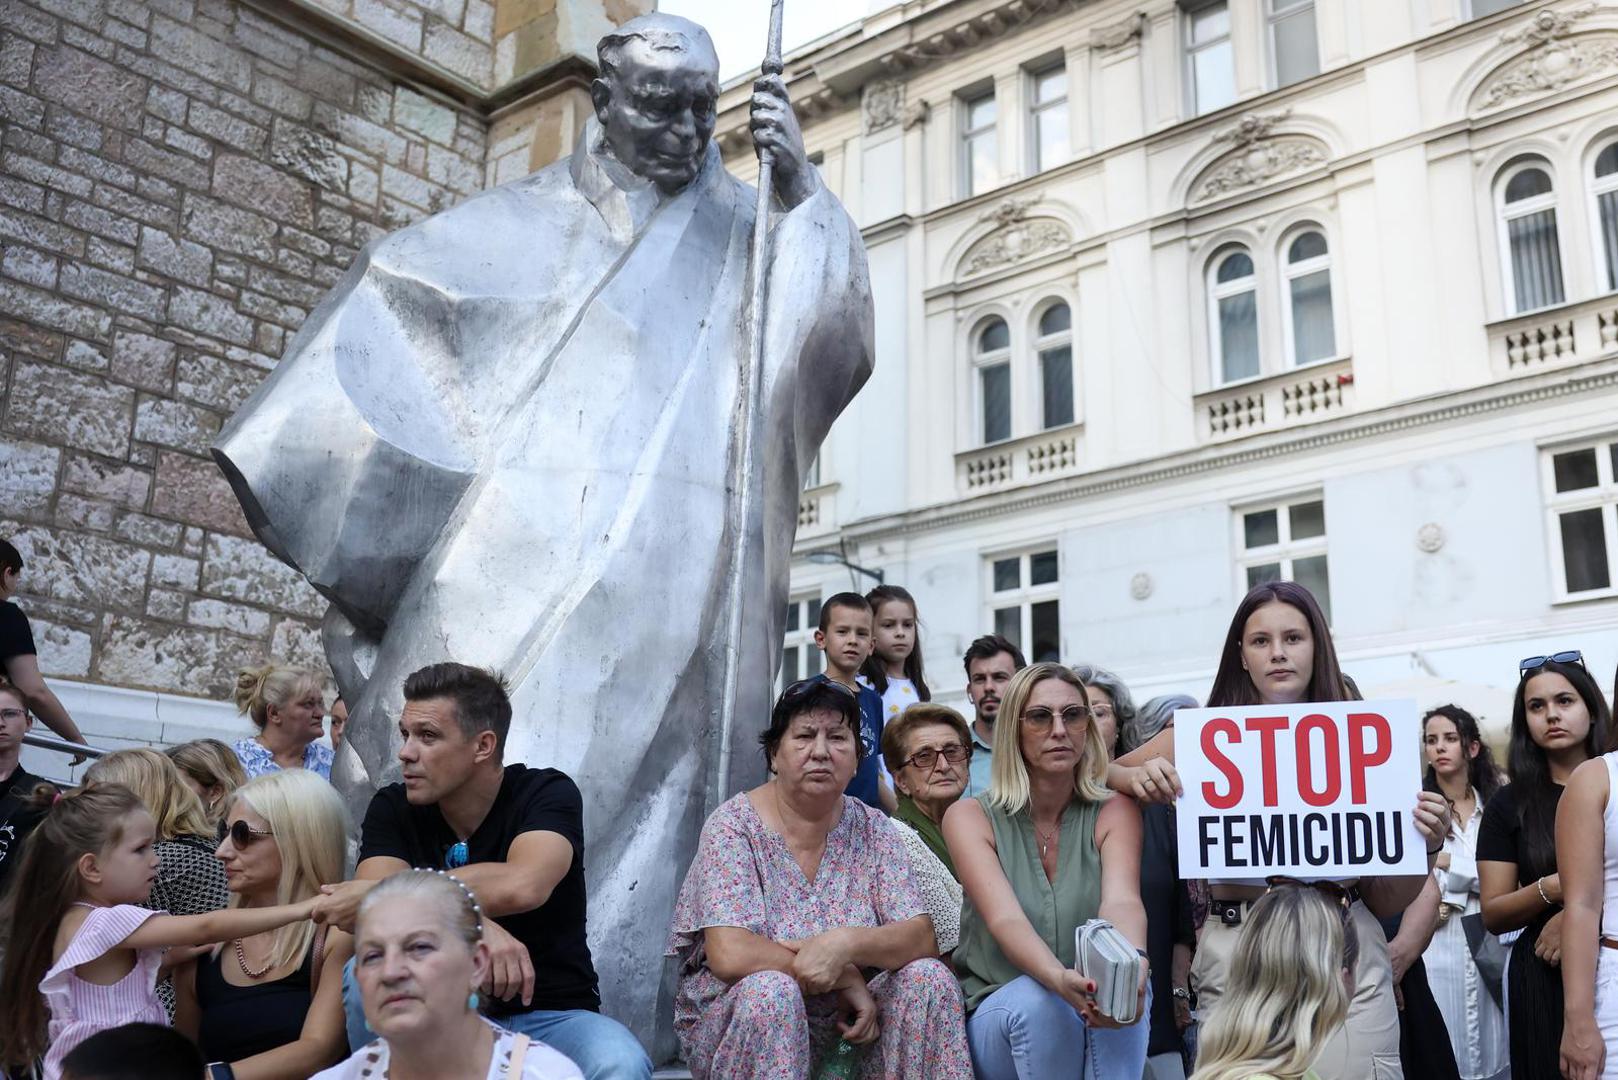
(237, 1022)
(1533, 987)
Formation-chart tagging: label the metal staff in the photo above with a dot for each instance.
(752, 394)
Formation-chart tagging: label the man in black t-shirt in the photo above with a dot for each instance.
(19, 662)
(17, 816)
(512, 834)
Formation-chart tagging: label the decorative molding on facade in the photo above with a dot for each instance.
(884, 104)
(1015, 237)
(1349, 428)
(916, 113)
(1553, 57)
(1430, 538)
(1119, 34)
(1258, 155)
(1141, 586)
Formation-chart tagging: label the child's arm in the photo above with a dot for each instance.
(167, 931)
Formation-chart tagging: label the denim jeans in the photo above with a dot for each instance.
(601, 1047)
(1022, 1031)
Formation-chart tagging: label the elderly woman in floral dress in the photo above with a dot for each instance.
(799, 926)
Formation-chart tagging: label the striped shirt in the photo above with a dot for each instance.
(79, 1009)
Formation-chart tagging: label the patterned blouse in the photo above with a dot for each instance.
(190, 881)
(940, 891)
(256, 760)
(539, 1062)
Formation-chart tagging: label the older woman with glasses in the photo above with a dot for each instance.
(926, 750)
(799, 930)
(1045, 850)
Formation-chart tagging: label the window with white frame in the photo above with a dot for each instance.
(1025, 605)
(1311, 331)
(1582, 482)
(1480, 8)
(1294, 49)
(1604, 189)
(1210, 59)
(1047, 117)
(1233, 315)
(1053, 344)
(980, 155)
(799, 656)
(991, 349)
(1285, 542)
(1532, 250)
(812, 477)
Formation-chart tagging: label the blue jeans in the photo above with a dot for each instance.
(1022, 1031)
(601, 1047)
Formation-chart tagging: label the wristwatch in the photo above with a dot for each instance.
(220, 1070)
(1182, 993)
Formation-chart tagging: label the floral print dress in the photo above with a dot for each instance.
(762, 1027)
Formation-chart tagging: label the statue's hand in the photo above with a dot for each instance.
(775, 128)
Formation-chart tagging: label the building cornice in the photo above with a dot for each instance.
(1391, 419)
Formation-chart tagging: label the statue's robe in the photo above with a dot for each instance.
(509, 437)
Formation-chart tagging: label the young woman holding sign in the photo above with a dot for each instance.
(1559, 720)
(1461, 768)
(1587, 856)
(1278, 651)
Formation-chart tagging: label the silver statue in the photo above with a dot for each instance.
(510, 436)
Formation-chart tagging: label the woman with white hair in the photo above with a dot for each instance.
(269, 1006)
(419, 958)
(288, 706)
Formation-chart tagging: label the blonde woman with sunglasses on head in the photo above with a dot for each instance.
(1283, 1002)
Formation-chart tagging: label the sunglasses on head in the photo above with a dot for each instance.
(802, 688)
(241, 834)
(1534, 663)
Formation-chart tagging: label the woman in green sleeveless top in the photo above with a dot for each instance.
(1046, 849)
(1284, 1002)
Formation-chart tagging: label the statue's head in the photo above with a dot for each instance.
(657, 97)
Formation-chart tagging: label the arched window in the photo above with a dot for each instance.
(1054, 344)
(992, 357)
(1311, 332)
(1533, 252)
(1233, 310)
(1604, 185)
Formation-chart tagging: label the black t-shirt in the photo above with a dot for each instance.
(1500, 834)
(16, 639)
(17, 817)
(530, 800)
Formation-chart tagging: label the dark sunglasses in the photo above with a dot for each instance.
(241, 834)
(926, 759)
(1534, 663)
(802, 688)
(1332, 891)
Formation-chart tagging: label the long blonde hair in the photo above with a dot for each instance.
(273, 684)
(1287, 992)
(213, 765)
(308, 823)
(1008, 773)
(156, 782)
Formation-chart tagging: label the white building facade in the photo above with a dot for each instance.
(1174, 296)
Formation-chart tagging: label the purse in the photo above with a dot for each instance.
(1110, 960)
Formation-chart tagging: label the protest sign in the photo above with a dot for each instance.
(1320, 790)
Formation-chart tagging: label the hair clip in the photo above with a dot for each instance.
(471, 898)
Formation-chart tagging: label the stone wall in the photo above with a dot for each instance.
(180, 182)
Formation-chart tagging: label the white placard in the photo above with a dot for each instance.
(1322, 790)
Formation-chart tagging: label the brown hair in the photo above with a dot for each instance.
(88, 820)
(897, 731)
(1233, 685)
(212, 764)
(481, 698)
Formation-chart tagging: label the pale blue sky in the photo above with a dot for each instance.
(738, 26)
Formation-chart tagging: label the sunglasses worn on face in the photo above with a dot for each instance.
(241, 834)
(926, 759)
(1040, 719)
(1534, 663)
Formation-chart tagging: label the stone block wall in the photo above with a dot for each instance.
(180, 182)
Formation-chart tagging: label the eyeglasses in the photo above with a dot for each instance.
(1534, 663)
(241, 834)
(924, 760)
(8, 715)
(1040, 719)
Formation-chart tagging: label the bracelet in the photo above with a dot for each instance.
(1439, 850)
(1540, 885)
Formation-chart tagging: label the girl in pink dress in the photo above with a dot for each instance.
(81, 956)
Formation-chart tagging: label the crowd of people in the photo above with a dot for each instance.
(898, 897)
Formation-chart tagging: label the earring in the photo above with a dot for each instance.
(472, 1001)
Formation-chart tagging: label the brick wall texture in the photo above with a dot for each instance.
(180, 182)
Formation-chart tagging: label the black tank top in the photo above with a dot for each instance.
(240, 1021)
